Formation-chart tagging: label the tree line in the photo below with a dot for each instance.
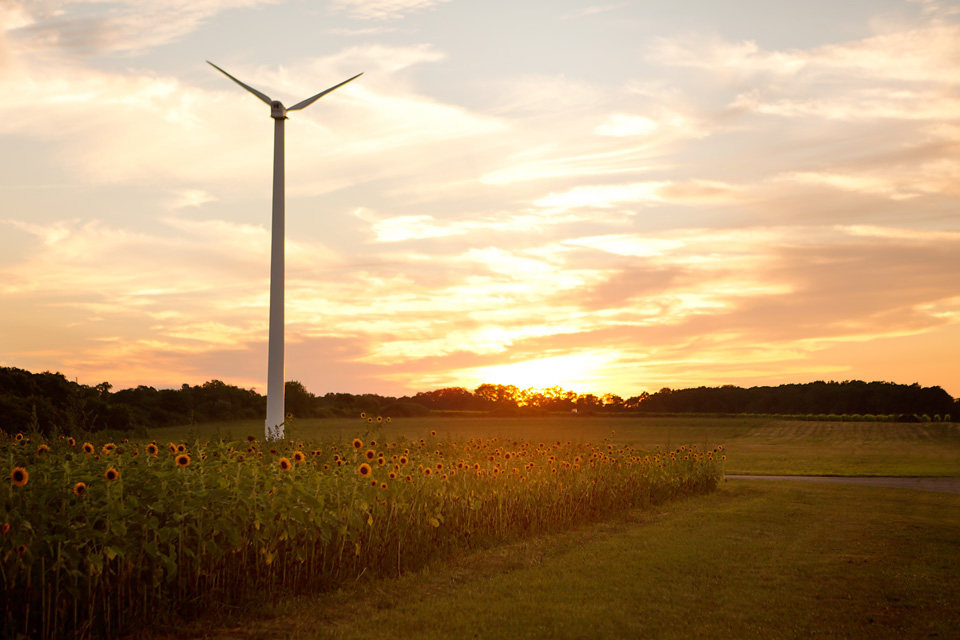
(50, 403)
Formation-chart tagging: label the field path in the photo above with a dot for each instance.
(945, 485)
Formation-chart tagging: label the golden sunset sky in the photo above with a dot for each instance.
(609, 197)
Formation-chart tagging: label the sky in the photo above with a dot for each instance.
(611, 196)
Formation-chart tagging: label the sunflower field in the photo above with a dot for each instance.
(98, 538)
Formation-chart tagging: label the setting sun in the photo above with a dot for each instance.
(577, 371)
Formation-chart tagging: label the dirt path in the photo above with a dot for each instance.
(946, 485)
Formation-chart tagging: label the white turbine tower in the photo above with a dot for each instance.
(275, 391)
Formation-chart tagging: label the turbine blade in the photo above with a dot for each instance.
(259, 94)
(310, 101)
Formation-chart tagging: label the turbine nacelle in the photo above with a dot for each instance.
(277, 110)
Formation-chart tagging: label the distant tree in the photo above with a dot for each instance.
(498, 394)
(588, 403)
(612, 402)
(298, 401)
(447, 399)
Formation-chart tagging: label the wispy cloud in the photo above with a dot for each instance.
(384, 9)
(74, 27)
(593, 10)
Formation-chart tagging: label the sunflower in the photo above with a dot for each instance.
(181, 448)
(19, 476)
(427, 471)
(107, 448)
(152, 450)
(183, 460)
(371, 454)
(298, 456)
(433, 434)
(285, 464)
(88, 448)
(79, 488)
(357, 443)
(5, 528)
(172, 447)
(364, 470)
(392, 475)
(383, 486)
(403, 460)
(111, 474)
(374, 483)
(388, 418)
(363, 414)
(42, 449)
(71, 442)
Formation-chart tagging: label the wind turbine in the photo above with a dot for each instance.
(275, 390)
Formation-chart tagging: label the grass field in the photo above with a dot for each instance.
(752, 560)
(754, 445)
(755, 559)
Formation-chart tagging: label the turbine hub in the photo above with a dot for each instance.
(277, 110)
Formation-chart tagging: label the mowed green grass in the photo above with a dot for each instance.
(753, 445)
(756, 559)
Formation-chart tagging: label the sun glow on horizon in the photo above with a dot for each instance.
(580, 372)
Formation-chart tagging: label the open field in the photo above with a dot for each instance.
(753, 445)
(756, 559)
(100, 537)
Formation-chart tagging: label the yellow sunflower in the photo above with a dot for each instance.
(19, 476)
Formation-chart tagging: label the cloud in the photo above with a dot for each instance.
(913, 55)
(164, 129)
(650, 193)
(68, 27)
(594, 10)
(384, 9)
(620, 125)
(860, 105)
(191, 198)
